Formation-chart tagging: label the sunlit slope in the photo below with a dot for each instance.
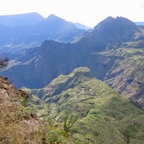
(104, 115)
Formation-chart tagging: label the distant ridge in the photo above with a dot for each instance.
(111, 31)
(55, 24)
(139, 23)
(20, 19)
(32, 29)
(58, 58)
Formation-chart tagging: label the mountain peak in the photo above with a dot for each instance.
(111, 32)
(53, 17)
(57, 24)
(109, 18)
(64, 82)
(117, 22)
(79, 74)
(83, 71)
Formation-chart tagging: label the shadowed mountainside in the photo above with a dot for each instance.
(111, 33)
(40, 65)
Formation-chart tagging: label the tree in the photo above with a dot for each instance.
(69, 121)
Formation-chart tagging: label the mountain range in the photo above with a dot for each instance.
(95, 76)
(31, 29)
(39, 65)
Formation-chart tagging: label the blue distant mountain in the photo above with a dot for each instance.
(33, 28)
(139, 23)
(20, 19)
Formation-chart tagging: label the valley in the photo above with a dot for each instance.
(86, 84)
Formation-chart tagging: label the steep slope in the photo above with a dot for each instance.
(58, 29)
(127, 74)
(40, 65)
(17, 123)
(54, 24)
(110, 33)
(103, 115)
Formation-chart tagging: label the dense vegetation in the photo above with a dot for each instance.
(100, 115)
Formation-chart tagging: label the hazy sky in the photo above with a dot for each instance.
(88, 12)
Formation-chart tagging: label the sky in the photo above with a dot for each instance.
(87, 12)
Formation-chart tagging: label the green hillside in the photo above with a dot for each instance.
(101, 114)
(127, 73)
